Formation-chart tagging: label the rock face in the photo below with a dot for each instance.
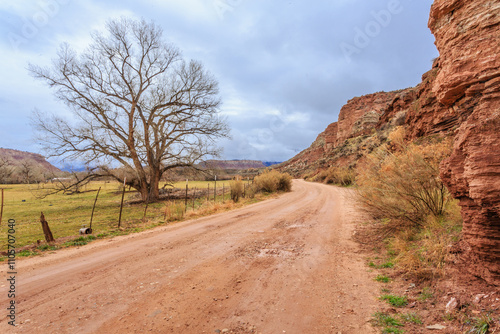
(467, 84)
(314, 154)
(359, 117)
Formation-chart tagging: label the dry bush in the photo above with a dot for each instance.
(272, 181)
(284, 182)
(267, 182)
(174, 210)
(404, 185)
(320, 177)
(400, 187)
(341, 176)
(250, 191)
(237, 189)
(424, 252)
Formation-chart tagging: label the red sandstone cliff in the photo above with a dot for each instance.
(468, 84)
(358, 117)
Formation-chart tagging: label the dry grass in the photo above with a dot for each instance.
(174, 210)
(272, 181)
(424, 252)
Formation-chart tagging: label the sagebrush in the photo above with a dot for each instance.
(272, 181)
(401, 181)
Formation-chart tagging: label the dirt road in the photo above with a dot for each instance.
(286, 265)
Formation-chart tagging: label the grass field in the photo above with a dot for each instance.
(66, 214)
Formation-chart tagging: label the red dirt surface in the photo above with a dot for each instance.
(286, 265)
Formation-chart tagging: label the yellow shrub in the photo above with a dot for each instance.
(237, 189)
(272, 181)
(404, 186)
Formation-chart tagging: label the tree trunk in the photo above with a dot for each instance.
(143, 189)
(154, 184)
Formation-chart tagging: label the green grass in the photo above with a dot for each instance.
(81, 241)
(392, 323)
(66, 214)
(389, 323)
(382, 279)
(411, 318)
(387, 264)
(426, 294)
(384, 265)
(396, 301)
(26, 252)
(481, 325)
(383, 319)
(47, 247)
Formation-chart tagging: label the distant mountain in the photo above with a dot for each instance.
(271, 163)
(73, 168)
(17, 158)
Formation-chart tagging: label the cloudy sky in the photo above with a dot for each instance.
(285, 67)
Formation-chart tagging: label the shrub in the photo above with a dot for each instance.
(237, 189)
(272, 181)
(401, 182)
(284, 182)
(250, 191)
(341, 176)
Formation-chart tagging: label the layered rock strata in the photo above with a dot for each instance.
(467, 83)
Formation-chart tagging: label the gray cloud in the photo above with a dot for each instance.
(281, 67)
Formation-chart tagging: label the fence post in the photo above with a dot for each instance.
(93, 208)
(121, 204)
(1, 209)
(186, 199)
(194, 197)
(46, 229)
(215, 189)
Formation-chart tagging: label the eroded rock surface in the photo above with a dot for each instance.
(468, 83)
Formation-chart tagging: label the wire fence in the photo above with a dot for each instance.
(67, 214)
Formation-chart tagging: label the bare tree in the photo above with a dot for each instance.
(136, 102)
(6, 170)
(26, 169)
